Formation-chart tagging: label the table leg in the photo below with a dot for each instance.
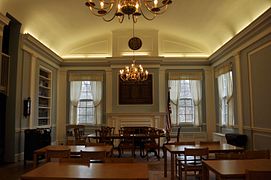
(172, 160)
(205, 172)
(35, 160)
(165, 161)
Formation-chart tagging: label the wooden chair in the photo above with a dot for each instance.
(257, 175)
(104, 133)
(127, 141)
(75, 134)
(209, 143)
(79, 131)
(229, 156)
(152, 144)
(93, 157)
(193, 164)
(180, 157)
(257, 154)
(53, 154)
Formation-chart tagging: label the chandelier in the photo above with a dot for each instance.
(109, 9)
(134, 72)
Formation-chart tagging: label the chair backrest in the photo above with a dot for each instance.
(257, 175)
(93, 156)
(178, 134)
(257, 154)
(57, 154)
(228, 156)
(198, 153)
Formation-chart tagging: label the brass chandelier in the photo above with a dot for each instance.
(134, 72)
(109, 9)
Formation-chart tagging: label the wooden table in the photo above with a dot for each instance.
(136, 136)
(75, 149)
(225, 169)
(179, 149)
(61, 171)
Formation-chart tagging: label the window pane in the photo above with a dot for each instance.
(85, 110)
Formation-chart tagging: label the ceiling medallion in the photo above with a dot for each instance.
(109, 9)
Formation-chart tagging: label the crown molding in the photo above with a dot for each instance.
(4, 20)
(258, 28)
(29, 42)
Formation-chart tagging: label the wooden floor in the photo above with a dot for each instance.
(13, 171)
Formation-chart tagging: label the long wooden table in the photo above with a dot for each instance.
(179, 149)
(75, 149)
(63, 171)
(229, 169)
(136, 136)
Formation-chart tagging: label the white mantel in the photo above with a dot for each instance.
(119, 120)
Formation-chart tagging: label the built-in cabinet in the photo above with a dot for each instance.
(44, 97)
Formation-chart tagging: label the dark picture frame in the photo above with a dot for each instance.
(136, 92)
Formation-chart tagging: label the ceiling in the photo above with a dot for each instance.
(65, 25)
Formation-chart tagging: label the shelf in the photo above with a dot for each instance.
(45, 87)
(44, 117)
(44, 97)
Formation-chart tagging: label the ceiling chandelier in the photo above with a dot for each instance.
(134, 72)
(109, 9)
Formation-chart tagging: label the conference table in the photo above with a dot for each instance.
(75, 150)
(233, 169)
(138, 137)
(97, 171)
(179, 149)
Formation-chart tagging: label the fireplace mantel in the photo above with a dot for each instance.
(152, 119)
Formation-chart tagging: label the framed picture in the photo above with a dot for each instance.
(136, 92)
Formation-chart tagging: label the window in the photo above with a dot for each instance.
(185, 103)
(225, 92)
(185, 98)
(86, 108)
(85, 102)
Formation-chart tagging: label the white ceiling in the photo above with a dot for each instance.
(64, 25)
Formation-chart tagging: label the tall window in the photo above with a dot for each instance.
(85, 99)
(86, 108)
(225, 98)
(185, 103)
(185, 97)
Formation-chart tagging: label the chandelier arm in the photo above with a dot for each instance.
(108, 6)
(134, 19)
(100, 15)
(121, 19)
(145, 2)
(108, 20)
(154, 15)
